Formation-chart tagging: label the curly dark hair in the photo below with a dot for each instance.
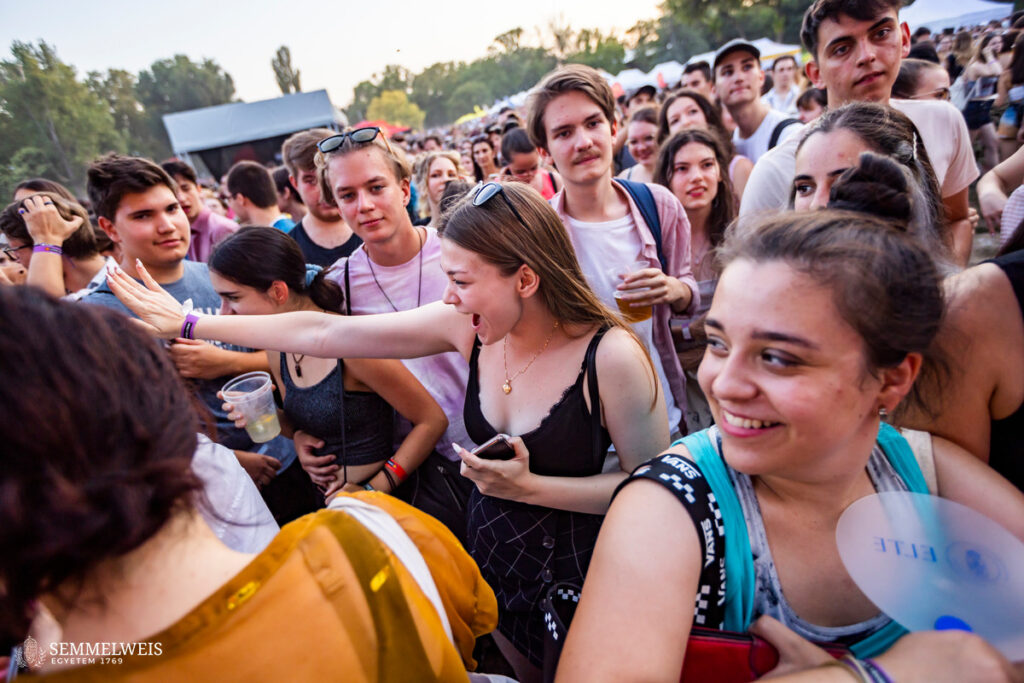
(97, 434)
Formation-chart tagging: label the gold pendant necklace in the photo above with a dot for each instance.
(507, 386)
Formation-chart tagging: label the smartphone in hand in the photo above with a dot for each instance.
(497, 448)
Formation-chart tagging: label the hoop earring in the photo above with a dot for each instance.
(883, 414)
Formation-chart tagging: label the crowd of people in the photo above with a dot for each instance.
(635, 354)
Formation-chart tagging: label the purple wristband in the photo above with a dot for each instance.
(188, 327)
(876, 671)
(49, 248)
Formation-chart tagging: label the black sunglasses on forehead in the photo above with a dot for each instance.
(484, 193)
(359, 135)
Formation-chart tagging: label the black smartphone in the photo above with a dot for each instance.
(497, 448)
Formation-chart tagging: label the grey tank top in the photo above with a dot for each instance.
(768, 596)
(357, 426)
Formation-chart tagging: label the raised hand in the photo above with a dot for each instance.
(159, 312)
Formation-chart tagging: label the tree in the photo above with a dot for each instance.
(394, 107)
(179, 84)
(51, 124)
(118, 89)
(287, 77)
(600, 51)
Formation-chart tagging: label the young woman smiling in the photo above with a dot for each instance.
(547, 361)
(801, 371)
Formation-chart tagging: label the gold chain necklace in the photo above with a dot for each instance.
(507, 386)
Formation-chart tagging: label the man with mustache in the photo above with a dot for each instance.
(572, 117)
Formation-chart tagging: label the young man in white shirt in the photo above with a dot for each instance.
(856, 47)
(571, 117)
(738, 82)
(782, 96)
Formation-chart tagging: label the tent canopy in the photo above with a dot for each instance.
(240, 122)
(770, 51)
(939, 14)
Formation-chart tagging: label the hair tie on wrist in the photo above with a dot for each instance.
(312, 270)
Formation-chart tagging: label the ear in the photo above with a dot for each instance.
(278, 292)
(814, 74)
(905, 38)
(897, 381)
(293, 183)
(108, 227)
(406, 192)
(527, 281)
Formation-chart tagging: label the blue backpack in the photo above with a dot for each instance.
(644, 200)
(739, 564)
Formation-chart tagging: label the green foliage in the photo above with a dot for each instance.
(51, 124)
(394, 107)
(179, 84)
(287, 77)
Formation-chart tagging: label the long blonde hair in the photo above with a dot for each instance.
(421, 174)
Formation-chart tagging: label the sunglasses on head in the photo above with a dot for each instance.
(357, 136)
(484, 193)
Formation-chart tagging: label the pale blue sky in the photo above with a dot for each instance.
(334, 45)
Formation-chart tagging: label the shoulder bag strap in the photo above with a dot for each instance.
(739, 563)
(644, 200)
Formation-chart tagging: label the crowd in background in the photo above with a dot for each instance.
(561, 350)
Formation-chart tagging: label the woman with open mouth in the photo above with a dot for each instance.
(548, 362)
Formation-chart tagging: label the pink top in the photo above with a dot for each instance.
(386, 288)
(675, 242)
(207, 230)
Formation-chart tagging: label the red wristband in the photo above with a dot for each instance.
(395, 469)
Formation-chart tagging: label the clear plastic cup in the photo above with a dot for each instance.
(633, 313)
(251, 395)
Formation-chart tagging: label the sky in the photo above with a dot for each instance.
(334, 45)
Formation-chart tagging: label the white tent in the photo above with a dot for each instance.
(228, 126)
(939, 14)
(770, 51)
(666, 74)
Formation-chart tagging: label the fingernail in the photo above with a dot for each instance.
(138, 263)
(456, 448)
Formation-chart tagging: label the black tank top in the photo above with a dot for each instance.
(1006, 448)
(357, 426)
(565, 441)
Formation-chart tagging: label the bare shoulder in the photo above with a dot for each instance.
(619, 352)
(981, 295)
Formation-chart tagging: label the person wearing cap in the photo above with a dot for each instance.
(738, 81)
(639, 97)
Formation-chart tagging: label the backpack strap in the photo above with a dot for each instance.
(644, 200)
(902, 458)
(777, 131)
(739, 563)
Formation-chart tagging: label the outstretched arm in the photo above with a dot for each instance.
(430, 329)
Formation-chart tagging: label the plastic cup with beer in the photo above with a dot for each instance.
(632, 312)
(252, 395)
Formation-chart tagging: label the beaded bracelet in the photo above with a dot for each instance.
(47, 248)
(188, 326)
(396, 469)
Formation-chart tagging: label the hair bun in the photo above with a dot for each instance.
(877, 185)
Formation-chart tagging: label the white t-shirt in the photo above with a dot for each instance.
(945, 136)
(601, 247)
(784, 103)
(444, 375)
(756, 145)
(239, 517)
(943, 132)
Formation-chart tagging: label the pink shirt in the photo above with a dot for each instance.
(675, 242)
(387, 288)
(207, 230)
